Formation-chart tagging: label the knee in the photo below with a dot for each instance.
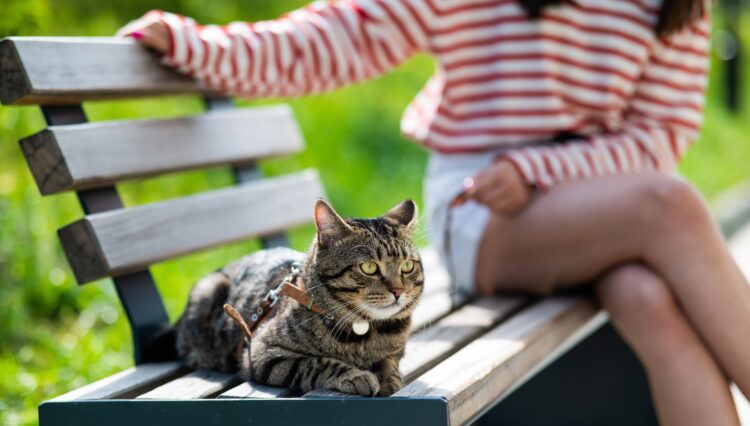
(673, 204)
(636, 298)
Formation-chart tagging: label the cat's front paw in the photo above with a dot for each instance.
(390, 385)
(356, 382)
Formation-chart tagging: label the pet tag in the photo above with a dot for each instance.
(361, 327)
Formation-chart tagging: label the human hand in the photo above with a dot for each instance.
(499, 187)
(149, 30)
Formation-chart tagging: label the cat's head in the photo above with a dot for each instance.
(369, 268)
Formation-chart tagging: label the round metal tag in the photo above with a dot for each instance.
(361, 327)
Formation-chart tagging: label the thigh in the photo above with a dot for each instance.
(571, 234)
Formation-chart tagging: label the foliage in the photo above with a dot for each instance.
(55, 335)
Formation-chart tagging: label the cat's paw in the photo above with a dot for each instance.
(356, 382)
(390, 385)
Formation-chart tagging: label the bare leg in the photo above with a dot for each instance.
(580, 229)
(687, 385)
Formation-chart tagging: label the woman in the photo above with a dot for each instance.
(570, 116)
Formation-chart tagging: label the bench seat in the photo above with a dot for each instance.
(464, 359)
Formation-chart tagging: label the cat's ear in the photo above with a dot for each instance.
(330, 225)
(405, 213)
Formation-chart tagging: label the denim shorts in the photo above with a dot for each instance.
(443, 181)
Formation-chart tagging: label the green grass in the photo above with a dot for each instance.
(55, 335)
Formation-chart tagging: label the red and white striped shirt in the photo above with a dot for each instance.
(594, 68)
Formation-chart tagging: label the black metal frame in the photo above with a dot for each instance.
(733, 93)
(277, 412)
(153, 339)
(137, 291)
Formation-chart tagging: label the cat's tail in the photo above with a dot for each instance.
(198, 332)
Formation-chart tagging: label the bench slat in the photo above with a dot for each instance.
(437, 300)
(198, 384)
(90, 155)
(67, 70)
(125, 383)
(127, 240)
(433, 344)
(255, 390)
(483, 370)
(430, 346)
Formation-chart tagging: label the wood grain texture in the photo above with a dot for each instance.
(435, 343)
(437, 299)
(13, 81)
(122, 241)
(67, 70)
(483, 370)
(428, 347)
(125, 383)
(197, 384)
(84, 156)
(255, 390)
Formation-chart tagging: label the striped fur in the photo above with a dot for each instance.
(301, 350)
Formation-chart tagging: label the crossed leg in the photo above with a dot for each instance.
(584, 231)
(688, 387)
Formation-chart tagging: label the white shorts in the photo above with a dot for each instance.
(443, 181)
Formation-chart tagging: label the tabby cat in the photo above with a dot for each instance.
(361, 271)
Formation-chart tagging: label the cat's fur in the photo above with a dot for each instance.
(295, 347)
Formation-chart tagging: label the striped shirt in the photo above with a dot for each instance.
(594, 68)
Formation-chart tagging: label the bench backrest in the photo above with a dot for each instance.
(91, 158)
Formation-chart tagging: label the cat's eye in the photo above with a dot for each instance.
(369, 268)
(407, 266)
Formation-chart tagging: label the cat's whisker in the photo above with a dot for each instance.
(346, 319)
(334, 309)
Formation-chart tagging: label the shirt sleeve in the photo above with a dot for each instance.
(663, 119)
(318, 48)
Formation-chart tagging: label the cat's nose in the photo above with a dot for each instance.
(397, 292)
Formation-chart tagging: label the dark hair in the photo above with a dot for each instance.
(674, 14)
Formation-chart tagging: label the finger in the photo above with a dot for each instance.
(151, 39)
(139, 24)
(127, 29)
(492, 198)
(483, 183)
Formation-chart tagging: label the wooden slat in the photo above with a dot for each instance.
(122, 241)
(430, 346)
(437, 300)
(126, 383)
(198, 384)
(255, 390)
(49, 70)
(84, 156)
(482, 371)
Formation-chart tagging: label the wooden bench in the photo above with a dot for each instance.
(464, 355)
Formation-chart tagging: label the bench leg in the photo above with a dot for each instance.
(598, 382)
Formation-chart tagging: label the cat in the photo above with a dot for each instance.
(364, 271)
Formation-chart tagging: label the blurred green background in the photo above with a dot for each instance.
(55, 335)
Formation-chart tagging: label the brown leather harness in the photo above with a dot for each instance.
(291, 286)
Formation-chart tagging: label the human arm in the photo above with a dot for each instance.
(323, 46)
(662, 120)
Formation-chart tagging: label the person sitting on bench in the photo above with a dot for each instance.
(554, 128)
